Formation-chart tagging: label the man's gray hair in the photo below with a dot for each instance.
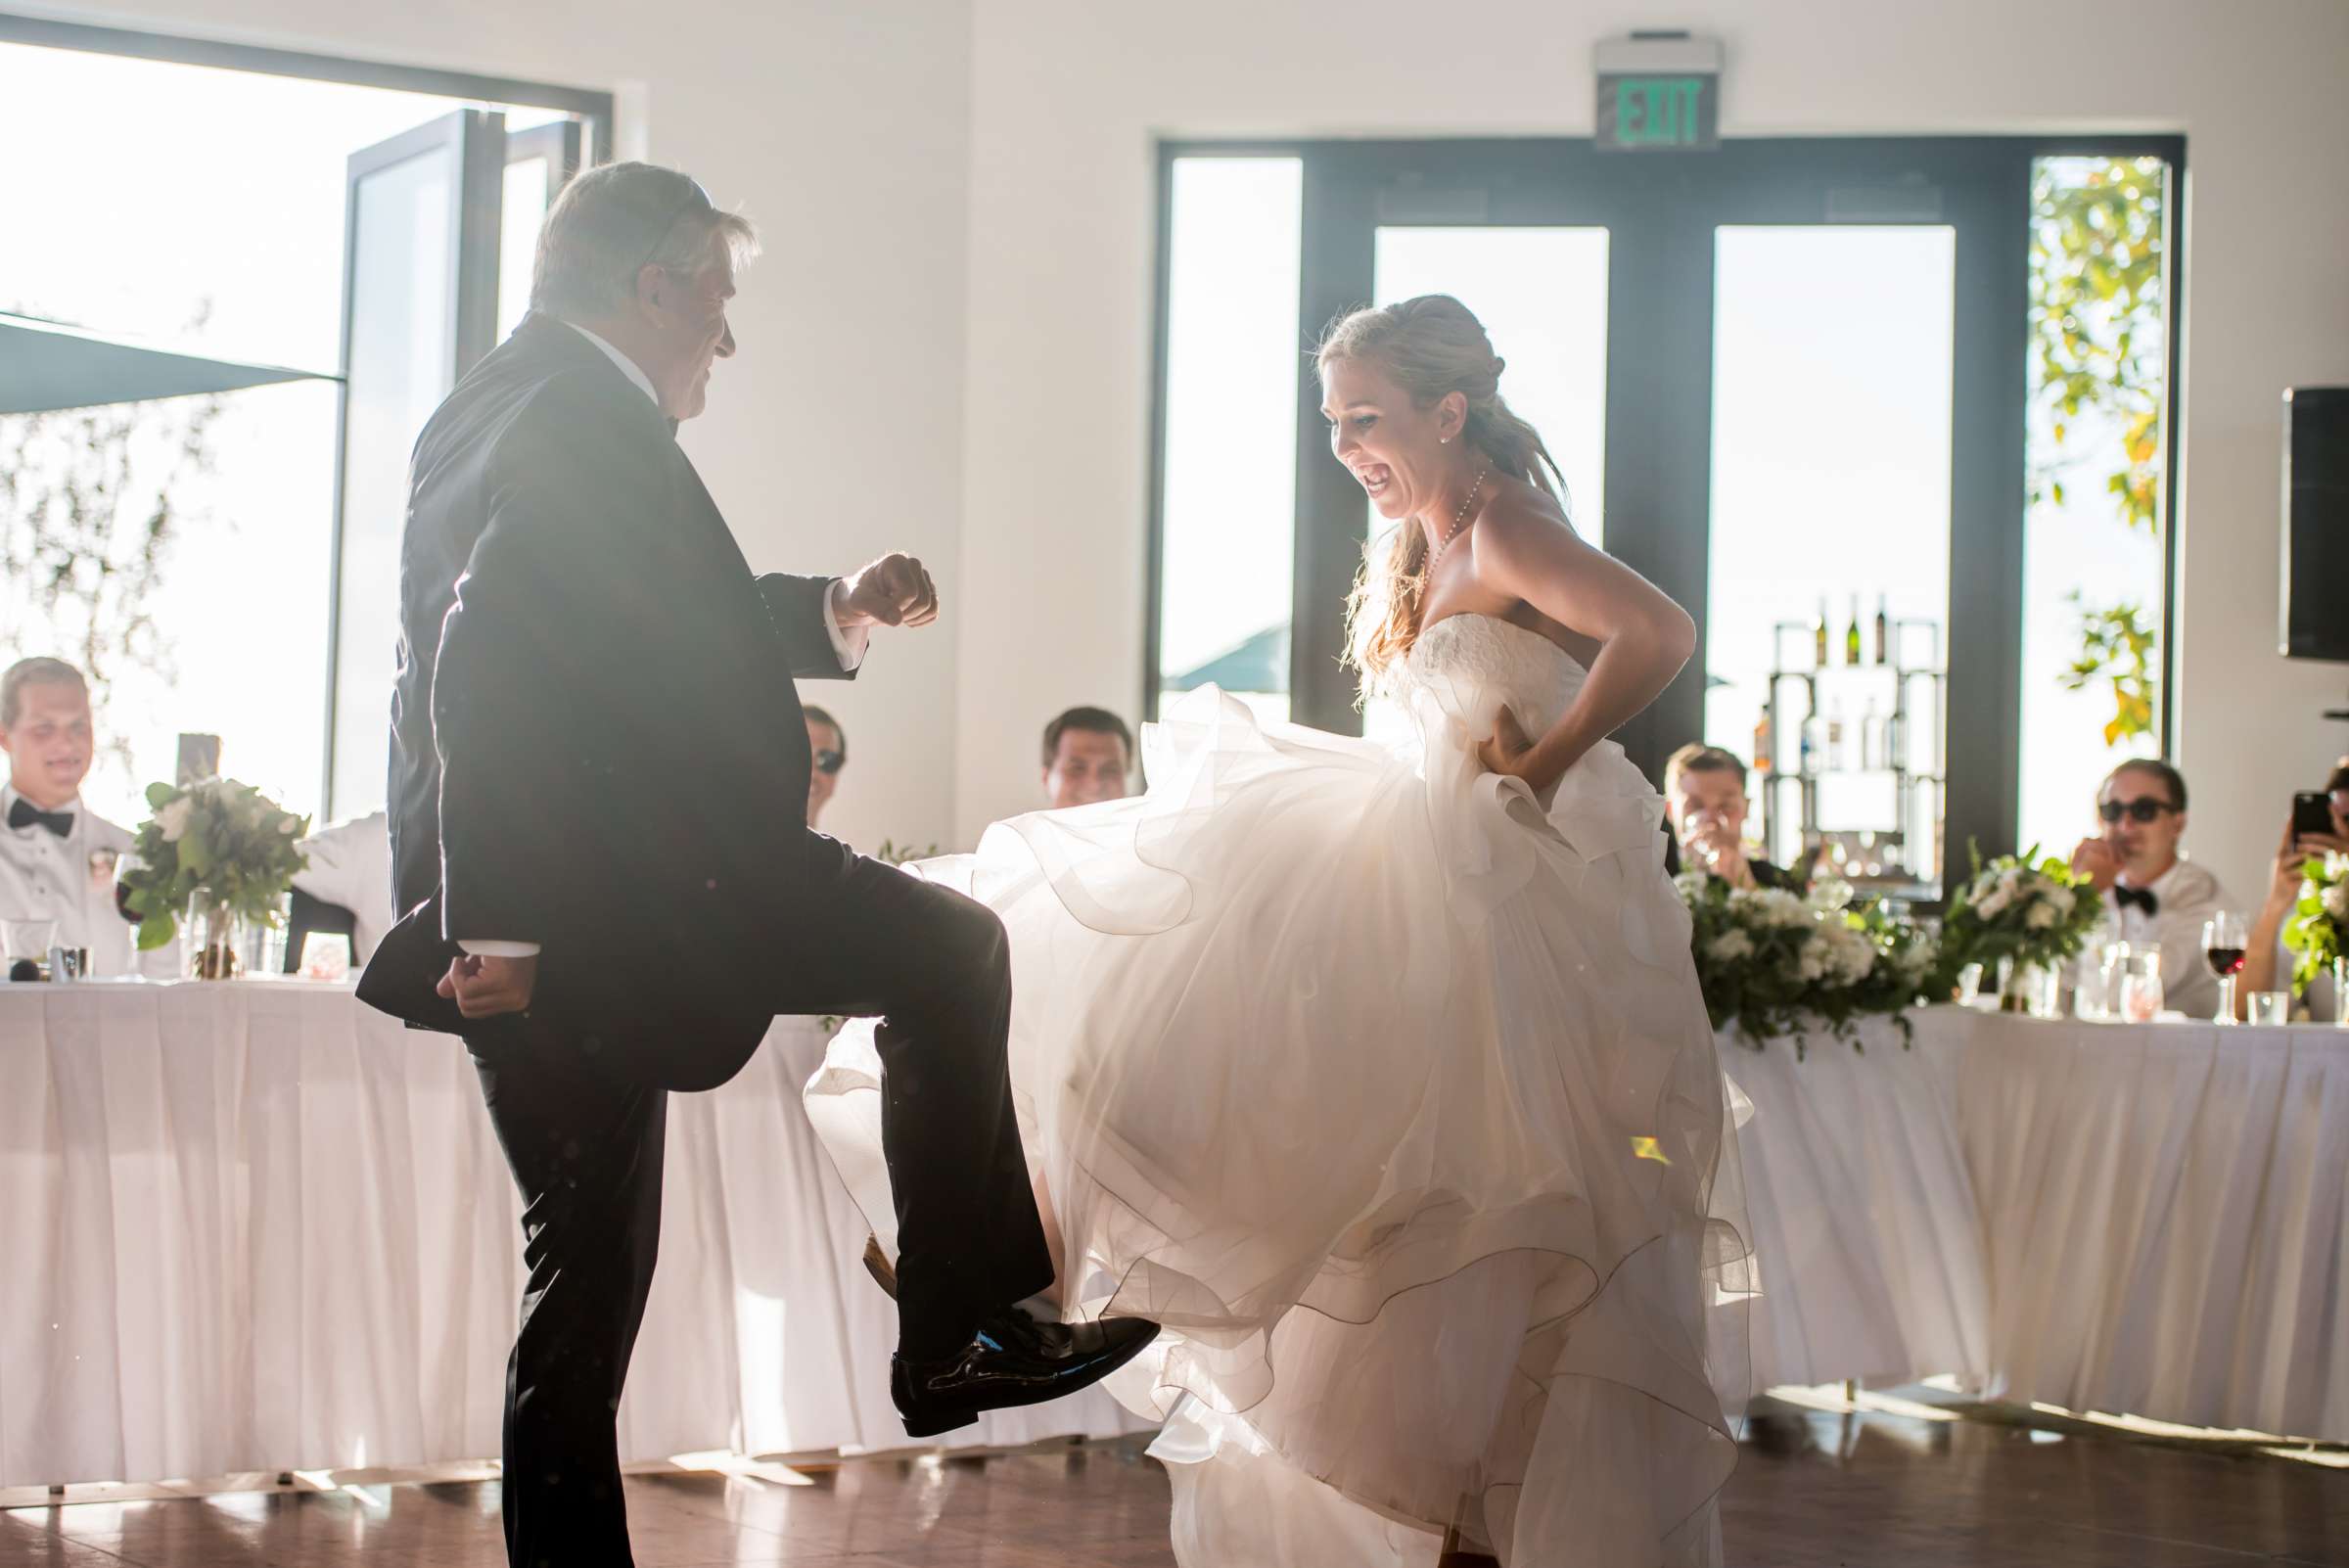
(28, 672)
(613, 221)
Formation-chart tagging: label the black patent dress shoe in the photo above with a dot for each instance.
(1011, 1360)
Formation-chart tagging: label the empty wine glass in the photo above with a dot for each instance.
(2225, 937)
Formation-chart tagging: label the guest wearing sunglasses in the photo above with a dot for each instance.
(828, 745)
(2153, 896)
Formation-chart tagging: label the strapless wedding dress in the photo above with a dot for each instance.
(1385, 1085)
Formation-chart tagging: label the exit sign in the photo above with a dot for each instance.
(1659, 92)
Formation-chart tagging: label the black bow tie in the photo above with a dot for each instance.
(22, 813)
(2143, 898)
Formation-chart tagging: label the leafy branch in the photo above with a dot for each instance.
(2098, 306)
(89, 511)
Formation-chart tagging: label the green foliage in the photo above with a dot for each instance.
(2032, 911)
(219, 839)
(2116, 646)
(2316, 928)
(1773, 963)
(2099, 348)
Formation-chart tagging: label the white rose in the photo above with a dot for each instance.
(2063, 897)
(2040, 915)
(173, 818)
(2336, 900)
(1990, 903)
(1775, 906)
(1731, 945)
(1692, 884)
(286, 825)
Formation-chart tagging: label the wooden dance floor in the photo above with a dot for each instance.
(1812, 1490)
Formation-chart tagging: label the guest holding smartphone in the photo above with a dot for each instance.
(2266, 966)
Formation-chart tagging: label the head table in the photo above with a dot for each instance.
(254, 1225)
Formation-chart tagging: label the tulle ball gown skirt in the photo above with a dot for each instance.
(1387, 1088)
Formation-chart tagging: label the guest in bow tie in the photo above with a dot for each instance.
(58, 857)
(2153, 894)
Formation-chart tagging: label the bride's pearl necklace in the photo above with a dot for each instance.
(1458, 517)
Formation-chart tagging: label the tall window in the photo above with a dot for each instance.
(2094, 562)
(204, 209)
(1228, 492)
(1831, 383)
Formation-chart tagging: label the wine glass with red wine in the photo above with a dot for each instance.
(2225, 936)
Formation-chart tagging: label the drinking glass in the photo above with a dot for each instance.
(2270, 1006)
(2141, 986)
(2225, 936)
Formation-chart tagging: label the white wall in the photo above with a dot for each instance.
(841, 126)
(1068, 96)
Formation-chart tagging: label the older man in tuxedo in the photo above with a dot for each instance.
(595, 748)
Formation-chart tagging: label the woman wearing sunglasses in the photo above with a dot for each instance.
(2153, 896)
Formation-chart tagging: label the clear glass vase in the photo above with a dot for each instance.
(2032, 989)
(214, 940)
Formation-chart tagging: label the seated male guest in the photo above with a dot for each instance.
(1089, 756)
(2267, 963)
(57, 855)
(1705, 804)
(2154, 896)
(828, 749)
(347, 887)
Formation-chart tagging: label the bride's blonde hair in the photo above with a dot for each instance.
(1430, 346)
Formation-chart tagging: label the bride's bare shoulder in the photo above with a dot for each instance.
(1521, 521)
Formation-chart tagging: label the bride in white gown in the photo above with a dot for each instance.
(1380, 1077)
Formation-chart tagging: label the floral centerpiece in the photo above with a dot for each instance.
(2033, 913)
(1771, 962)
(218, 852)
(2316, 928)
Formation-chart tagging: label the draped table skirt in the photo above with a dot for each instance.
(255, 1226)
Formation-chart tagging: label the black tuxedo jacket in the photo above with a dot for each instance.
(595, 741)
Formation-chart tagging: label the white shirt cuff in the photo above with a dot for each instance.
(500, 949)
(847, 645)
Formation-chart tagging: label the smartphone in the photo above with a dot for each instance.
(2312, 813)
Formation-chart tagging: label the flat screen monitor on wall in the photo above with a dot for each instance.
(2316, 523)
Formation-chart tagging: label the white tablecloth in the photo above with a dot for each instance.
(2163, 1207)
(256, 1225)
(1865, 1230)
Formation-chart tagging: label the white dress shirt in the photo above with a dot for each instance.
(847, 643)
(71, 881)
(351, 865)
(2184, 895)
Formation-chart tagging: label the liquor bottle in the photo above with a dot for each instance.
(1814, 745)
(1851, 635)
(1883, 633)
(1764, 750)
(1835, 753)
(1871, 739)
(1819, 638)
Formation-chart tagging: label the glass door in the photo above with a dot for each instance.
(1788, 382)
